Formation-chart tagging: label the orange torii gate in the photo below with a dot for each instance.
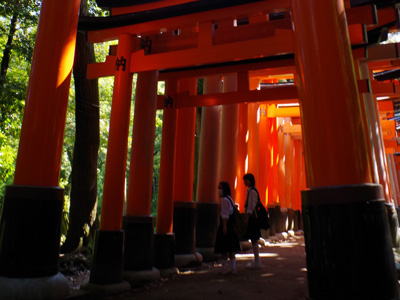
(179, 41)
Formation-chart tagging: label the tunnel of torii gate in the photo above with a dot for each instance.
(300, 93)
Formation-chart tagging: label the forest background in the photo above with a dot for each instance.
(87, 121)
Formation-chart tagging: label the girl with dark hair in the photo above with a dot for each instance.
(253, 229)
(227, 241)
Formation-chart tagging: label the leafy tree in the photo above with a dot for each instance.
(83, 194)
(18, 22)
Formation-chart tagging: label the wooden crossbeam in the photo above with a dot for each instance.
(190, 20)
(279, 45)
(277, 95)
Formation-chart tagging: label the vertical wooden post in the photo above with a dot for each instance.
(114, 178)
(229, 138)
(164, 243)
(242, 157)
(109, 239)
(184, 208)
(32, 207)
(264, 157)
(343, 199)
(207, 182)
(138, 223)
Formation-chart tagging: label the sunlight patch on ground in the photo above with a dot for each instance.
(283, 245)
(267, 275)
(251, 256)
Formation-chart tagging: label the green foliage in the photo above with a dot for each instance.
(12, 102)
(14, 85)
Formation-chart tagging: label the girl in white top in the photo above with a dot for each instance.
(227, 241)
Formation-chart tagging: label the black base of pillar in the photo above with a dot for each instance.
(272, 220)
(207, 224)
(184, 227)
(393, 224)
(279, 219)
(30, 231)
(164, 251)
(296, 220)
(107, 265)
(348, 245)
(139, 233)
(290, 219)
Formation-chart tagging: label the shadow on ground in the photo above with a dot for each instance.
(282, 277)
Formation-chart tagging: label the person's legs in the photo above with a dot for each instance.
(256, 264)
(233, 262)
(224, 259)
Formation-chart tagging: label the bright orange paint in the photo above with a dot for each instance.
(42, 133)
(141, 168)
(281, 163)
(184, 148)
(326, 65)
(289, 169)
(229, 138)
(114, 178)
(165, 204)
(264, 157)
(243, 85)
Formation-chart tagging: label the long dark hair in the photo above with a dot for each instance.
(226, 189)
(250, 177)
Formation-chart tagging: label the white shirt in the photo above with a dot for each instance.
(252, 202)
(226, 208)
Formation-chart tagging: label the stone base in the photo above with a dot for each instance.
(356, 260)
(165, 273)
(107, 290)
(188, 260)
(208, 254)
(52, 287)
(140, 278)
(107, 265)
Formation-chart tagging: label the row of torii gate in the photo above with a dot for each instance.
(344, 149)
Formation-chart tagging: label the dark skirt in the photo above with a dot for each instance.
(253, 229)
(228, 242)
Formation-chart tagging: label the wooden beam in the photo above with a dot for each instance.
(266, 47)
(167, 24)
(383, 52)
(366, 14)
(147, 6)
(276, 95)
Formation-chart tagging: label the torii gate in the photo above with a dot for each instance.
(340, 172)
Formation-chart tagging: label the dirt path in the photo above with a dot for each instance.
(282, 277)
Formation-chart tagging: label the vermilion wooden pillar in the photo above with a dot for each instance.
(164, 238)
(253, 146)
(242, 158)
(109, 239)
(375, 131)
(138, 223)
(345, 219)
(184, 207)
(207, 183)
(185, 138)
(31, 210)
(229, 137)
(264, 157)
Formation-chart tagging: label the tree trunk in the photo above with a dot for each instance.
(5, 62)
(83, 197)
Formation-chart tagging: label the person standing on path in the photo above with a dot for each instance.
(253, 228)
(227, 241)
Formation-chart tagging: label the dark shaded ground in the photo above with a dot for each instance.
(283, 277)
